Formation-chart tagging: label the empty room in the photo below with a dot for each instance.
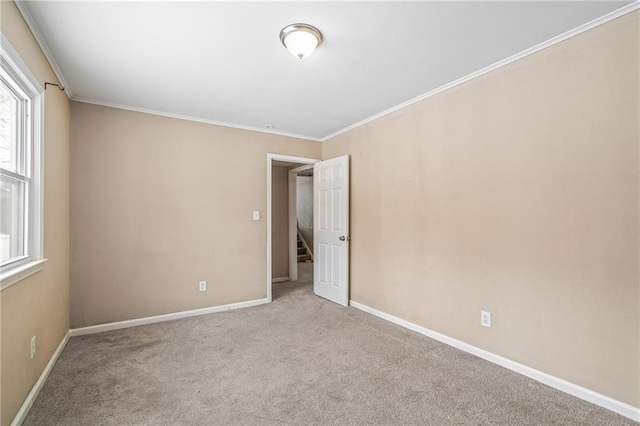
(336, 212)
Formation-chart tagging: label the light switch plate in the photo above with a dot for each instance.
(256, 215)
(485, 319)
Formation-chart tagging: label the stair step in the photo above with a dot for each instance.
(303, 257)
(302, 250)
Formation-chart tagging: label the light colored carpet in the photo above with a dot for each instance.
(298, 360)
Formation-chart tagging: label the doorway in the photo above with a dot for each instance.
(282, 238)
(330, 224)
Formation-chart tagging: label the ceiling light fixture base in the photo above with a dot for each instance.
(300, 39)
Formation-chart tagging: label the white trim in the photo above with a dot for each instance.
(37, 156)
(100, 328)
(26, 15)
(35, 390)
(270, 158)
(188, 118)
(280, 280)
(19, 72)
(17, 62)
(17, 274)
(555, 40)
(37, 387)
(292, 186)
(604, 401)
(292, 159)
(552, 41)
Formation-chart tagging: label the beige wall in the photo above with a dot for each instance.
(280, 222)
(159, 204)
(516, 192)
(38, 305)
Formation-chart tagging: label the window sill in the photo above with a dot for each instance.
(15, 275)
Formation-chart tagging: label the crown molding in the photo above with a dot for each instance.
(26, 15)
(551, 42)
(530, 51)
(195, 119)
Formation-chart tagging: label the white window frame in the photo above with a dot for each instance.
(12, 67)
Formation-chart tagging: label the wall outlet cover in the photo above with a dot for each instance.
(202, 286)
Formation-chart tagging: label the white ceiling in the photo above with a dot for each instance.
(223, 61)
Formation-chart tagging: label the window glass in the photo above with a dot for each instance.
(12, 203)
(15, 176)
(9, 148)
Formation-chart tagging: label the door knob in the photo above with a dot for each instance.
(343, 238)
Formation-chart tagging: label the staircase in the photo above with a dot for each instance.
(304, 252)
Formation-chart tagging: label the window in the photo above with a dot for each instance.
(20, 169)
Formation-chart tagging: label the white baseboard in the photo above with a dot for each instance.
(604, 401)
(35, 390)
(100, 328)
(279, 280)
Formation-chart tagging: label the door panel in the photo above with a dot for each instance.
(331, 223)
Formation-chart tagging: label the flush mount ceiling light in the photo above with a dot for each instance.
(300, 39)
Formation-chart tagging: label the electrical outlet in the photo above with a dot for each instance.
(33, 347)
(485, 319)
(202, 285)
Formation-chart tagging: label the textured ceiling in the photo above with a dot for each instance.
(223, 61)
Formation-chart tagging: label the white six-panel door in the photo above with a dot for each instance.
(331, 229)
